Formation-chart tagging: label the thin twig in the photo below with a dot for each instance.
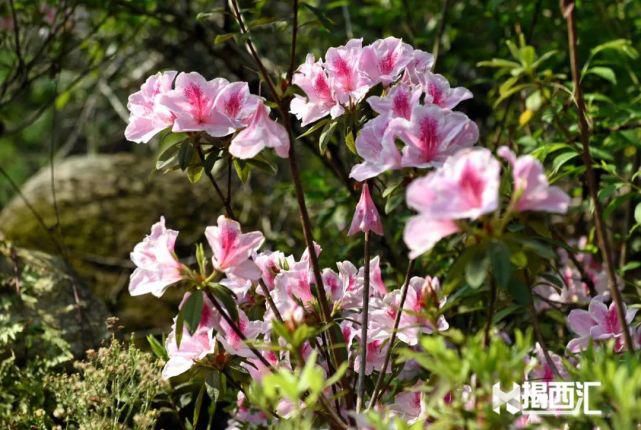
(567, 8)
(292, 59)
(381, 376)
(441, 29)
(364, 324)
(237, 330)
(539, 335)
(270, 301)
(223, 200)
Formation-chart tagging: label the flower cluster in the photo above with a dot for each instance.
(467, 187)
(187, 102)
(415, 106)
(240, 266)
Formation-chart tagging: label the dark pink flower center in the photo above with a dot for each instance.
(436, 93)
(233, 104)
(401, 104)
(387, 63)
(428, 138)
(471, 186)
(196, 99)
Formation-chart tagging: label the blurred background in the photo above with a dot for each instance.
(73, 189)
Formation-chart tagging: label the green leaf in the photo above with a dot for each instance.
(192, 310)
(227, 298)
(501, 265)
(603, 72)
(393, 202)
(157, 348)
(320, 15)
(185, 154)
(637, 213)
(242, 170)
(198, 405)
(325, 136)
(194, 173)
(201, 259)
(180, 324)
(314, 127)
(562, 159)
(349, 141)
(222, 38)
(519, 291)
(477, 267)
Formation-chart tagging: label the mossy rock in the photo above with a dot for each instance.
(106, 204)
(51, 309)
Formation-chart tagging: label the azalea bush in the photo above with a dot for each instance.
(294, 343)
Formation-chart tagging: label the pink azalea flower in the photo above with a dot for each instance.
(157, 266)
(345, 77)
(232, 249)
(384, 60)
(466, 186)
(237, 105)
(271, 264)
(375, 144)
(241, 287)
(421, 233)
(192, 103)
(422, 296)
(377, 286)
(193, 347)
(147, 116)
(257, 369)
(261, 132)
(375, 357)
(438, 92)
(421, 63)
(232, 342)
(398, 102)
(599, 322)
(245, 414)
(410, 404)
(366, 217)
(543, 371)
(531, 187)
(319, 101)
(433, 134)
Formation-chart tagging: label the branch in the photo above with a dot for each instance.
(567, 7)
(379, 382)
(364, 324)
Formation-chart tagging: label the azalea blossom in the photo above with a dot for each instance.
(421, 301)
(319, 100)
(398, 102)
(375, 144)
(192, 103)
(466, 186)
(410, 404)
(433, 134)
(260, 133)
(344, 71)
(384, 60)
(147, 116)
(156, 265)
(421, 63)
(438, 92)
(543, 371)
(193, 346)
(598, 323)
(531, 188)
(374, 358)
(232, 249)
(232, 342)
(366, 217)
